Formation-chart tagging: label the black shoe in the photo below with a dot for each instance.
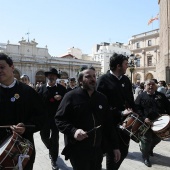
(147, 162)
(54, 165)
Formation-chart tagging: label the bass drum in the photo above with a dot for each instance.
(161, 127)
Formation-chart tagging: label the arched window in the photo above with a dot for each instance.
(149, 76)
(40, 77)
(138, 62)
(138, 77)
(16, 74)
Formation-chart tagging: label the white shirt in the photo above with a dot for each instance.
(111, 72)
(10, 86)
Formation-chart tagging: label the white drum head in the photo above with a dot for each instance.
(160, 123)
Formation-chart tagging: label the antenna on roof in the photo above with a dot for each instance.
(28, 35)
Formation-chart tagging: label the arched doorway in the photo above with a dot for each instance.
(17, 74)
(149, 76)
(40, 77)
(137, 77)
(64, 75)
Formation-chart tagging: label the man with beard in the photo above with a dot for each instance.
(84, 119)
(118, 90)
(52, 94)
(151, 104)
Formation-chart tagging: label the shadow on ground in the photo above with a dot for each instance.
(62, 164)
(156, 159)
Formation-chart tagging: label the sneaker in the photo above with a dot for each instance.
(54, 165)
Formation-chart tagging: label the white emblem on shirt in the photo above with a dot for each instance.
(123, 85)
(100, 107)
(56, 92)
(12, 99)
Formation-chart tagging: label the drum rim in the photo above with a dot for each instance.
(158, 131)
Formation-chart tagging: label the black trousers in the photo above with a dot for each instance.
(123, 146)
(86, 159)
(148, 142)
(50, 137)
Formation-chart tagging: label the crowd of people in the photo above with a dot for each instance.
(91, 113)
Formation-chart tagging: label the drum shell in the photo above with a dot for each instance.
(134, 127)
(16, 146)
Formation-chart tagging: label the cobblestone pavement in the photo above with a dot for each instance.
(160, 161)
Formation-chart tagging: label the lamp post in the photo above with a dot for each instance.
(60, 73)
(132, 62)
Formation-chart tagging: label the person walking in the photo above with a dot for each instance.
(150, 105)
(118, 90)
(52, 94)
(21, 111)
(84, 119)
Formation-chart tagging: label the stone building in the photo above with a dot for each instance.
(34, 61)
(102, 53)
(145, 47)
(77, 53)
(163, 66)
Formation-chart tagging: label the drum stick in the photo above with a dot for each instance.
(8, 126)
(93, 129)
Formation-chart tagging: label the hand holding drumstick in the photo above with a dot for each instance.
(19, 128)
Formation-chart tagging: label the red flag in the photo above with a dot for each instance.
(153, 19)
(150, 21)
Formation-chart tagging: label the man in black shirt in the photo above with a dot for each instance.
(84, 119)
(150, 105)
(20, 108)
(118, 90)
(72, 84)
(52, 94)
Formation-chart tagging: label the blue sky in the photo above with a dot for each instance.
(62, 24)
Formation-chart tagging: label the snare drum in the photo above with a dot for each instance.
(15, 152)
(161, 127)
(134, 127)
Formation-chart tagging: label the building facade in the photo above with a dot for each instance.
(163, 66)
(34, 61)
(145, 47)
(102, 53)
(77, 53)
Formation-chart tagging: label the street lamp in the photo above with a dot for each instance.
(132, 63)
(59, 73)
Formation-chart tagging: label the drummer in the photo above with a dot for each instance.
(150, 105)
(20, 106)
(116, 86)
